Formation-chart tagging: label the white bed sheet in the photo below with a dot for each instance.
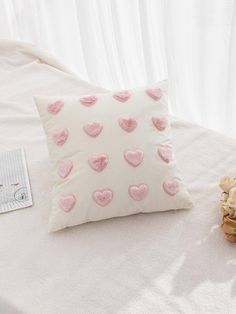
(172, 262)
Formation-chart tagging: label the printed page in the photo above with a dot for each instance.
(15, 190)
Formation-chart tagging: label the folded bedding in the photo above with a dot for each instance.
(148, 263)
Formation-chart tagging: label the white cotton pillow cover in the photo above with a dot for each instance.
(111, 155)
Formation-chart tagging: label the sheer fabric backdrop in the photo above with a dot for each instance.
(126, 43)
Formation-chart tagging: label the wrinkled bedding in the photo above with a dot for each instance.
(171, 262)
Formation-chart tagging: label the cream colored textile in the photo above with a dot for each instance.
(153, 263)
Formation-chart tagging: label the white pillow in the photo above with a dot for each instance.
(111, 155)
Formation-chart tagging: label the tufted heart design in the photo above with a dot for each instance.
(171, 187)
(67, 202)
(93, 129)
(98, 162)
(134, 157)
(122, 96)
(60, 136)
(103, 197)
(160, 122)
(88, 100)
(138, 192)
(128, 123)
(64, 168)
(165, 152)
(55, 107)
(154, 93)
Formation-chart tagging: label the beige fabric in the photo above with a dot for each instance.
(152, 263)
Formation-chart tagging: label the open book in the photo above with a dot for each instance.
(15, 190)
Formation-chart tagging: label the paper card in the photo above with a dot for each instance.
(15, 190)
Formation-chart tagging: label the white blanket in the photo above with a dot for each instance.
(172, 262)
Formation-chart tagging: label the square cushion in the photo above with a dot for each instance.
(112, 155)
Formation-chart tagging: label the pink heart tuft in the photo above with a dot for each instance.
(67, 202)
(160, 122)
(154, 93)
(128, 124)
(103, 197)
(122, 96)
(165, 152)
(64, 168)
(88, 100)
(138, 192)
(134, 157)
(60, 136)
(98, 162)
(93, 129)
(55, 107)
(171, 187)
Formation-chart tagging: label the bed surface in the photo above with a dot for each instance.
(172, 262)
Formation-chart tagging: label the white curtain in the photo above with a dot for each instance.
(126, 43)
